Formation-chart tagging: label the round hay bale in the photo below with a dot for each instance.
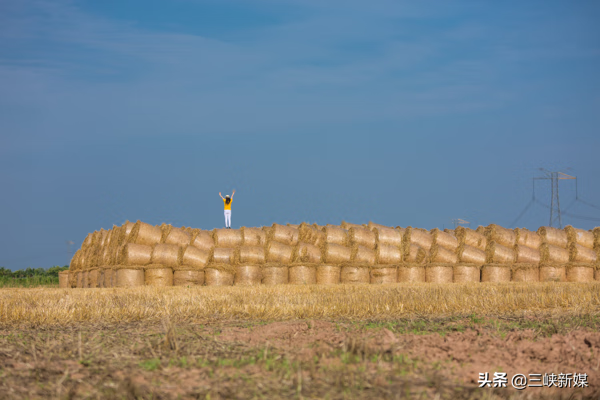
(553, 236)
(222, 255)
(165, 229)
(94, 278)
(389, 236)
(134, 254)
(228, 238)
(411, 273)
(581, 237)
(202, 240)
(166, 254)
(526, 255)
(307, 253)
(414, 254)
(550, 254)
(248, 275)
(469, 237)
(387, 274)
(79, 283)
(471, 255)
(74, 264)
(466, 273)
(553, 273)
(194, 257)
(127, 227)
(253, 236)
(527, 238)
(336, 235)
(496, 273)
(581, 254)
(179, 237)
(363, 237)
(351, 274)
(439, 273)
(363, 255)
(388, 254)
(218, 277)
(158, 277)
(73, 278)
(277, 252)
(143, 233)
(110, 277)
(130, 277)
(252, 255)
(336, 253)
(284, 234)
(275, 275)
(328, 274)
(418, 236)
(87, 241)
(525, 273)
(499, 254)
(63, 279)
(296, 226)
(302, 275)
(439, 254)
(579, 272)
(188, 278)
(310, 234)
(444, 239)
(347, 225)
(373, 226)
(500, 235)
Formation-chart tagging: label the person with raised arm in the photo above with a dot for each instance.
(227, 203)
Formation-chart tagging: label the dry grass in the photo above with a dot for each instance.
(48, 307)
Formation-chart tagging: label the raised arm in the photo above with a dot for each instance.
(221, 195)
(232, 193)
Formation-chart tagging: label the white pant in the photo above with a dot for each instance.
(227, 218)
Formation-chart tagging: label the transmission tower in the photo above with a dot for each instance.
(554, 177)
(460, 222)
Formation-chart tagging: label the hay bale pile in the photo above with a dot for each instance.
(137, 254)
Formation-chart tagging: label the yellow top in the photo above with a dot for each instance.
(227, 206)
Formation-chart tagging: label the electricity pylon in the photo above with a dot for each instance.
(554, 177)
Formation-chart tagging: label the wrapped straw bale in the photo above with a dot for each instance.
(579, 253)
(228, 256)
(553, 273)
(550, 254)
(218, 277)
(496, 273)
(88, 240)
(464, 273)
(363, 237)
(79, 283)
(93, 278)
(444, 239)
(75, 261)
(194, 257)
(73, 278)
(166, 254)
(202, 240)
(165, 230)
(178, 236)
(275, 274)
(372, 226)
(553, 236)
(526, 255)
(63, 279)
(253, 236)
(363, 255)
(228, 238)
(353, 274)
(248, 275)
(307, 253)
(470, 237)
(411, 273)
(389, 236)
(439, 254)
(439, 273)
(253, 255)
(336, 254)
(135, 254)
(312, 235)
(110, 277)
(127, 228)
(143, 233)
(277, 252)
(500, 235)
(414, 254)
(471, 255)
(348, 225)
(336, 235)
(302, 275)
(388, 254)
(191, 277)
(525, 273)
(499, 254)
(328, 274)
(382, 275)
(128, 277)
(527, 238)
(284, 234)
(581, 237)
(158, 275)
(418, 236)
(579, 272)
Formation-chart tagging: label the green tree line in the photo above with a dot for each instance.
(30, 276)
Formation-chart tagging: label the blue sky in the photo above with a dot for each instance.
(400, 112)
